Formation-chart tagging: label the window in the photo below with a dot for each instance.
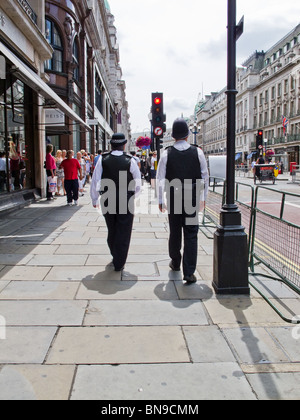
(54, 39)
(75, 57)
(99, 94)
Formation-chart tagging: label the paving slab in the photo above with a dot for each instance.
(59, 259)
(37, 249)
(26, 344)
(241, 311)
(24, 273)
(199, 381)
(118, 345)
(82, 273)
(255, 346)
(36, 382)
(45, 313)
(145, 313)
(207, 344)
(93, 289)
(276, 386)
(3, 284)
(35, 290)
(15, 259)
(288, 337)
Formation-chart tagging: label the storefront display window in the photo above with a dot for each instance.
(15, 168)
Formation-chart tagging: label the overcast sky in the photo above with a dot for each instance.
(179, 47)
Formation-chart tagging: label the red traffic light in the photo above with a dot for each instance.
(157, 101)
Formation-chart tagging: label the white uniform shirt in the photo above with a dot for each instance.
(162, 170)
(98, 172)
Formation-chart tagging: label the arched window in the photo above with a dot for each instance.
(54, 39)
(75, 55)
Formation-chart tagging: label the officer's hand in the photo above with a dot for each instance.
(162, 208)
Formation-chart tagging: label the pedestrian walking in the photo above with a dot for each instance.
(117, 179)
(82, 163)
(50, 166)
(71, 167)
(59, 173)
(153, 169)
(181, 173)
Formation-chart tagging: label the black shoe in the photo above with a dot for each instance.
(172, 266)
(119, 269)
(190, 279)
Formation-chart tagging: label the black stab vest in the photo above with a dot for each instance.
(113, 166)
(183, 165)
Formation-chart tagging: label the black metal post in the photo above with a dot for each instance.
(230, 241)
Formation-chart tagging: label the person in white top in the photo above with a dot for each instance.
(181, 173)
(117, 179)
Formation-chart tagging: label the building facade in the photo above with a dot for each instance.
(268, 87)
(60, 82)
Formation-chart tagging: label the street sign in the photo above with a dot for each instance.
(158, 131)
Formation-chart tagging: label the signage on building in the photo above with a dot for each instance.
(93, 122)
(54, 117)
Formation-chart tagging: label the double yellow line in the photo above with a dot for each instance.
(278, 256)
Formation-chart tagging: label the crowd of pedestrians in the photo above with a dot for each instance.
(67, 173)
(12, 169)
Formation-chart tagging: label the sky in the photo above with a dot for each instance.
(179, 47)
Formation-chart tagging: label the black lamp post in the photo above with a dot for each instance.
(195, 131)
(230, 241)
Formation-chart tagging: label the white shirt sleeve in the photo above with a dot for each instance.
(96, 182)
(204, 172)
(136, 173)
(161, 177)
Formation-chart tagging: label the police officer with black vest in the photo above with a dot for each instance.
(117, 180)
(182, 177)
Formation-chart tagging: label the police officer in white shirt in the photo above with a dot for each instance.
(183, 175)
(117, 179)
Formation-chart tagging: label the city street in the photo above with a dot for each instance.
(270, 197)
(72, 328)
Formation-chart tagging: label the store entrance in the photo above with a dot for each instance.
(16, 136)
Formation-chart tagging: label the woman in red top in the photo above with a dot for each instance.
(50, 168)
(71, 168)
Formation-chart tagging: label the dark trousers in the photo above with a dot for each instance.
(119, 236)
(72, 189)
(179, 227)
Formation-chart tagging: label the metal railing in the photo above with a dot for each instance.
(28, 10)
(274, 242)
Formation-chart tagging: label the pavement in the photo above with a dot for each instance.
(73, 329)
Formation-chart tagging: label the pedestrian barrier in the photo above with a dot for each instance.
(273, 241)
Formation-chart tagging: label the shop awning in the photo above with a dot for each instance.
(36, 83)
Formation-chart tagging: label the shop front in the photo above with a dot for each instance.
(24, 99)
(292, 153)
(17, 137)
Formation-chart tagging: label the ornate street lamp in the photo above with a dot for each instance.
(230, 241)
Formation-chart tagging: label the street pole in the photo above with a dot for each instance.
(230, 240)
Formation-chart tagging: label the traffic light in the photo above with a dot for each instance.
(159, 144)
(158, 116)
(260, 140)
